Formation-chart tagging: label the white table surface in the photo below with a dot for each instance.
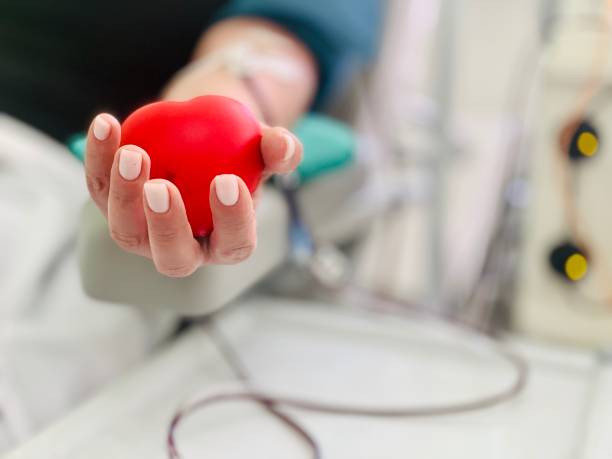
(323, 352)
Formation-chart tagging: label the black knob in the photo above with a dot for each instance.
(585, 142)
(569, 261)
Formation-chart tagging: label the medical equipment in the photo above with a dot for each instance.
(556, 297)
(580, 143)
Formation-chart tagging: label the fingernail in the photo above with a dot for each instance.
(130, 163)
(101, 128)
(226, 187)
(289, 147)
(157, 196)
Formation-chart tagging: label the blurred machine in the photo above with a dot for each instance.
(564, 283)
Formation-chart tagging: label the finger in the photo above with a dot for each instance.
(234, 237)
(281, 150)
(174, 250)
(126, 219)
(103, 140)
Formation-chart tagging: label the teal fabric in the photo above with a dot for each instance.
(77, 144)
(329, 145)
(342, 34)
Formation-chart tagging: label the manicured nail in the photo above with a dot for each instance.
(158, 198)
(130, 163)
(289, 147)
(226, 187)
(101, 128)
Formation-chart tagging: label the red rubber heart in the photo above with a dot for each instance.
(192, 142)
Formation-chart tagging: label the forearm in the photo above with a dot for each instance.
(287, 94)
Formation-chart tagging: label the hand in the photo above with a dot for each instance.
(147, 217)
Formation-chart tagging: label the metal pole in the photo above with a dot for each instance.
(443, 97)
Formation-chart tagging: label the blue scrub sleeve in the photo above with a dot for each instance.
(343, 35)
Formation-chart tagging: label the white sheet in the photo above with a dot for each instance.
(316, 350)
(56, 345)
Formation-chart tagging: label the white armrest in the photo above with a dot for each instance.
(110, 274)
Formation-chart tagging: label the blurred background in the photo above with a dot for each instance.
(473, 190)
(480, 136)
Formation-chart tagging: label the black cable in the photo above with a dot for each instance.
(272, 402)
(506, 394)
(268, 403)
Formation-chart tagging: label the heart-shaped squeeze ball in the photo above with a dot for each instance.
(192, 142)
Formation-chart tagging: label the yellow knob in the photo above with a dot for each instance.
(588, 143)
(576, 267)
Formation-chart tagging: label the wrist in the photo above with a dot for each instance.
(193, 82)
(254, 62)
